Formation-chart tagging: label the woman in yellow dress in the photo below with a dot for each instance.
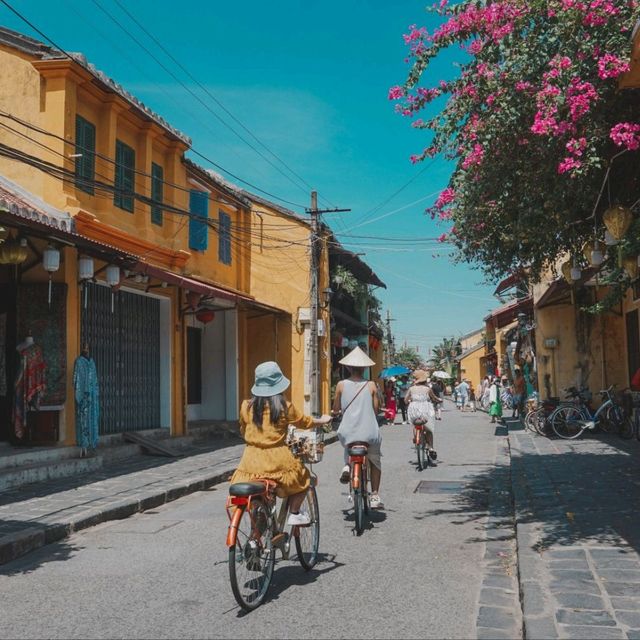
(263, 424)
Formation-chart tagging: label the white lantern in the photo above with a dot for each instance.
(85, 268)
(113, 275)
(575, 272)
(51, 259)
(596, 258)
(609, 240)
(51, 263)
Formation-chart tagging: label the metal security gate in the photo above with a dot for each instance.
(125, 344)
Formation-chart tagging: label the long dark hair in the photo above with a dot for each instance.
(276, 406)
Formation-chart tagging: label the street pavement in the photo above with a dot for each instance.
(511, 535)
(578, 535)
(438, 562)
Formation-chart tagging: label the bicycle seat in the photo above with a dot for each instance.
(246, 488)
(358, 448)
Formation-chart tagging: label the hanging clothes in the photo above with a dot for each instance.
(30, 385)
(85, 385)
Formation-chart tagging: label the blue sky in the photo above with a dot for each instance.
(310, 80)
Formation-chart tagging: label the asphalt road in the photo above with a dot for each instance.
(415, 573)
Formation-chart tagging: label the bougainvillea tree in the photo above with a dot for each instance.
(534, 119)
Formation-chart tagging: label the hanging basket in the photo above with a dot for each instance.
(617, 219)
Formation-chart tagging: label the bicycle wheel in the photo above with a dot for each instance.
(623, 425)
(530, 420)
(359, 500)
(308, 538)
(610, 420)
(364, 482)
(252, 558)
(420, 452)
(566, 423)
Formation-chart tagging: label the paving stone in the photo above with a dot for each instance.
(504, 582)
(597, 554)
(533, 598)
(627, 604)
(484, 633)
(496, 618)
(619, 575)
(580, 601)
(633, 634)
(581, 586)
(571, 574)
(579, 565)
(622, 589)
(592, 618)
(629, 618)
(566, 554)
(542, 628)
(623, 562)
(591, 633)
(497, 597)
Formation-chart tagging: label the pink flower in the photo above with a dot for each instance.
(626, 134)
(610, 66)
(569, 164)
(442, 237)
(395, 93)
(447, 196)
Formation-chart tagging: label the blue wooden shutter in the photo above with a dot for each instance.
(198, 206)
(157, 178)
(224, 238)
(85, 150)
(125, 176)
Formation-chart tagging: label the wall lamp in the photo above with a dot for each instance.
(327, 293)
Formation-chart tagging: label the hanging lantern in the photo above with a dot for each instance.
(50, 263)
(4, 234)
(13, 251)
(597, 257)
(587, 248)
(205, 315)
(112, 273)
(566, 271)
(630, 265)
(617, 219)
(85, 268)
(575, 273)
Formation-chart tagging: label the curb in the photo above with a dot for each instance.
(19, 544)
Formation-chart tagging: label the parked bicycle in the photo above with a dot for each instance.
(571, 421)
(359, 482)
(539, 414)
(257, 528)
(632, 413)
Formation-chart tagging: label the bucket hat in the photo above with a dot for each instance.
(357, 358)
(269, 380)
(420, 376)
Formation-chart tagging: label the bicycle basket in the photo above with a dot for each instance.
(306, 444)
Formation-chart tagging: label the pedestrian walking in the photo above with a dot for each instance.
(463, 394)
(402, 386)
(437, 386)
(495, 407)
(519, 393)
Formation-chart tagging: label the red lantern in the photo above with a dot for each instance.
(205, 315)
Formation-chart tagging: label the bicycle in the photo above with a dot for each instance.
(257, 529)
(358, 482)
(571, 421)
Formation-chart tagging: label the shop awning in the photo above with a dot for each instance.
(190, 284)
(509, 312)
(559, 291)
(349, 260)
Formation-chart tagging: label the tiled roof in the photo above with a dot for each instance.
(20, 202)
(43, 51)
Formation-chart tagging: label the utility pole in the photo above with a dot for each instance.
(390, 348)
(314, 271)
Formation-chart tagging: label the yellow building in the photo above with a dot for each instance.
(471, 358)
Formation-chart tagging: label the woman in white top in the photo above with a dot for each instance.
(357, 399)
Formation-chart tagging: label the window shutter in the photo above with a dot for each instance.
(199, 206)
(85, 148)
(224, 238)
(125, 176)
(157, 188)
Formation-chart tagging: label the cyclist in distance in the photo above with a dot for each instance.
(263, 425)
(357, 399)
(421, 401)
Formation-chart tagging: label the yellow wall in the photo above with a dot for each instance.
(471, 367)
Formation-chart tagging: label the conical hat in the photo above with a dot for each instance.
(357, 358)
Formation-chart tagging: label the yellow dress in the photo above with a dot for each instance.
(266, 454)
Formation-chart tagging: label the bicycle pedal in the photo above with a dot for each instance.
(280, 539)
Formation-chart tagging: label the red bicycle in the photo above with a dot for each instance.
(422, 447)
(358, 481)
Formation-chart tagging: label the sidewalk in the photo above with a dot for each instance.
(41, 513)
(578, 534)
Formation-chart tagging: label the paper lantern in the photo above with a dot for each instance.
(85, 268)
(609, 240)
(587, 248)
(630, 265)
(566, 271)
(13, 252)
(617, 219)
(51, 259)
(575, 273)
(112, 274)
(4, 234)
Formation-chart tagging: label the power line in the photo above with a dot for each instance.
(218, 166)
(211, 95)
